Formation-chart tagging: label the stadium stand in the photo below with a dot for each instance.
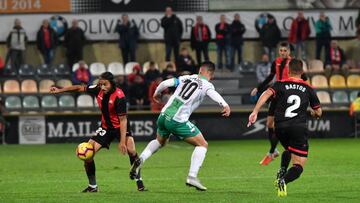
(316, 66)
(31, 103)
(61, 70)
(97, 68)
(340, 97)
(85, 101)
(11, 86)
(337, 81)
(324, 97)
(29, 86)
(27, 70)
(66, 102)
(13, 103)
(49, 102)
(44, 70)
(10, 71)
(45, 85)
(353, 81)
(116, 68)
(319, 81)
(63, 83)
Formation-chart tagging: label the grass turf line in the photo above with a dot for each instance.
(52, 173)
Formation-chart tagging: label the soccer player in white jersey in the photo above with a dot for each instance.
(174, 118)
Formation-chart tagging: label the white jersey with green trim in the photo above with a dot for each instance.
(190, 92)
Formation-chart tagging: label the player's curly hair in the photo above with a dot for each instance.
(109, 77)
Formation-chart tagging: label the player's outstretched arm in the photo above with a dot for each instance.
(262, 100)
(215, 96)
(74, 88)
(162, 86)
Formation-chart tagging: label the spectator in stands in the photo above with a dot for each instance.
(223, 47)
(263, 68)
(82, 75)
(323, 36)
(46, 41)
(299, 33)
(185, 64)
(128, 38)
(16, 43)
(337, 58)
(74, 42)
(237, 29)
(169, 72)
(137, 92)
(121, 83)
(270, 36)
(154, 106)
(152, 73)
(173, 30)
(200, 38)
(136, 72)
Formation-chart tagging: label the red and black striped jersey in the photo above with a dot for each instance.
(112, 105)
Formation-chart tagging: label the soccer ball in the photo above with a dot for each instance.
(85, 151)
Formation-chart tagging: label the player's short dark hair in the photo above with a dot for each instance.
(210, 66)
(285, 44)
(296, 66)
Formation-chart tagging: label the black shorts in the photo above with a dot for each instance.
(105, 136)
(294, 139)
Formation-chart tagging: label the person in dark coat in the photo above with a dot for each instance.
(270, 36)
(223, 42)
(128, 38)
(237, 30)
(200, 38)
(74, 42)
(46, 41)
(185, 64)
(173, 30)
(152, 73)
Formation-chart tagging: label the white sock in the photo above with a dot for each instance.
(93, 186)
(150, 149)
(197, 159)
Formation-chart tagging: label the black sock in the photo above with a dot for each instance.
(285, 159)
(293, 173)
(132, 159)
(90, 171)
(273, 139)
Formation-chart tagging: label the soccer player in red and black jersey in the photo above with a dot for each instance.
(114, 123)
(280, 69)
(292, 97)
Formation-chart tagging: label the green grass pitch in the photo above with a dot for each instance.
(52, 173)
